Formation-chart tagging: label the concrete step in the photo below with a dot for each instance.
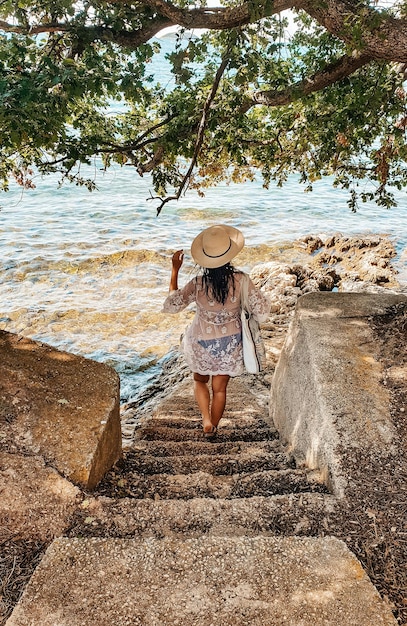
(221, 464)
(244, 400)
(165, 433)
(204, 485)
(202, 447)
(196, 423)
(298, 514)
(234, 581)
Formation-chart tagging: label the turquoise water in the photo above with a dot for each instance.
(88, 272)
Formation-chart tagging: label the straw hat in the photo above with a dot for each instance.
(217, 245)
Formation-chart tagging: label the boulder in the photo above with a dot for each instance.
(59, 406)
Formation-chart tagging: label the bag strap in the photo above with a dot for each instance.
(244, 293)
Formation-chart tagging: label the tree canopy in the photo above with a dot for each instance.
(76, 83)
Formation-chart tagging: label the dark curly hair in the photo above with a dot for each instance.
(218, 280)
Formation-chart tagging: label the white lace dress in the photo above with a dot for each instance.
(212, 343)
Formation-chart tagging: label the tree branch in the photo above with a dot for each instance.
(51, 27)
(156, 159)
(130, 39)
(142, 140)
(200, 133)
(216, 18)
(332, 73)
(377, 33)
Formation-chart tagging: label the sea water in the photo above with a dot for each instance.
(87, 272)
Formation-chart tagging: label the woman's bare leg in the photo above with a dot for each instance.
(219, 385)
(202, 397)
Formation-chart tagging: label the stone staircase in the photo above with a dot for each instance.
(174, 480)
(188, 530)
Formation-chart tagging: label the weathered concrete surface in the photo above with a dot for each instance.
(205, 581)
(327, 400)
(203, 560)
(36, 503)
(60, 406)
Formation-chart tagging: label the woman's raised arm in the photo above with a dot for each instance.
(177, 261)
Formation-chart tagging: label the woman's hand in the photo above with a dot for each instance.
(177, 259)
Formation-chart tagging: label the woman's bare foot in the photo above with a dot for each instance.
(212, 432)
(207, 426)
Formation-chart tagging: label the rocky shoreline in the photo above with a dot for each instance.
(351, 264)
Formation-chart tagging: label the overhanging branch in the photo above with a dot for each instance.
(167, 14)
(200, 133)
(47, 27)
(333, 73)
(375, 32)
(216, 18)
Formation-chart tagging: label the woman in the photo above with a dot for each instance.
(212, 344)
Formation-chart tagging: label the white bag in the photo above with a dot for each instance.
(254, 352)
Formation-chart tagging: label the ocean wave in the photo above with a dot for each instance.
(38, 266)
